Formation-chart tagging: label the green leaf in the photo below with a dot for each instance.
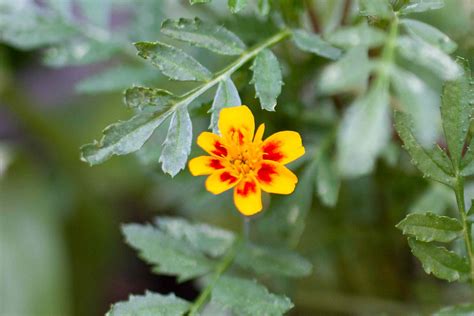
(440, 158)
(211, 240)
(116, 78)
(263, 7)
(419, 155)
(169, 255)
(351, 72)
(420, 101)
(172, 61)
(429, 57)
(78, 52)
(123, 137)
(327, 181)
(313, 43)
(267, 79)
(430, 227)
(364, 132)
(379, 8)
(359, 35)
(96, 12)
(421, 5)
(248, 298)
(436, 198)
(236, 5)
(29, 30)
(466, 309)
(226, 96)
(429, 34)
(177, 145)
(143, 97)
(456, 113)
(272, 261)
(150, 304)
(202, 34)
(199, 1)
(439, 261)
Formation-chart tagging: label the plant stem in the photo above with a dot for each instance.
(388, 54)
(188, 97)
(223, 265)
(467, 228)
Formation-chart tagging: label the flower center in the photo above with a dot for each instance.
(245, 159)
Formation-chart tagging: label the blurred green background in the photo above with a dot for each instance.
(61, 251)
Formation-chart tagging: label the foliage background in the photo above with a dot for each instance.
(61, 251)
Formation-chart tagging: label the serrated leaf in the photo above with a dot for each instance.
(173, 62)
(169, 255)
(359, 35)
(177, 145)
(429, 34)
(202, 34)
(430, 227)
(123, 137)
(466, 309)
(419, 155)
(379, 8)
(227, 95)
(248, 298)
(429, 57)
(327, 181)
(150, 304)
(364, 132)
(421, 6)
(456, 113)
(440, 158)
(78, 52)
(267, 79)
(351, 72)
(313, 43)
(116, 78)
(439, 261)
(144, 97)
(272, 261)
(211, 240)
(420, 101)
(236, 5)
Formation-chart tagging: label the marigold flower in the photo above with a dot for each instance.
(240, 159)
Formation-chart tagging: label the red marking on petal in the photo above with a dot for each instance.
(249, 187)
(240, 135)
(271, 152)
(216, 164)
(265, 173)
(227, 177)
(219, 150)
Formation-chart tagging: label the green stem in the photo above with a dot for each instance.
(388, 54)
(467, 228)
(223, 265)
(188, 97)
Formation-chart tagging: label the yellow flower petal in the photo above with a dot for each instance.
(259, 134)
(283, 147)
(248, 197)
(273, 177)
(221, 181)
(204, 165)
(212, 143)
(236, 124)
